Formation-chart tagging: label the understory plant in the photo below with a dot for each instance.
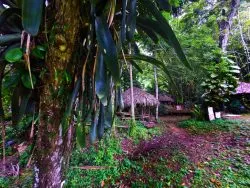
(220, 82)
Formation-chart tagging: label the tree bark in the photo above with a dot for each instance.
(53, 147)
(131, 88)
(226, 24)
(132, 92)
(156, 93)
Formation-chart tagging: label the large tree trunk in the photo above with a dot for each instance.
(53, 147)
(226, 24)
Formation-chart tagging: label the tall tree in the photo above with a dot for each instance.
(226, 23)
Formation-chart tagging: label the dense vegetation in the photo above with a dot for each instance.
(62, 74)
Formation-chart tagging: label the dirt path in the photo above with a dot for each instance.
(161, 152)
(197, 147)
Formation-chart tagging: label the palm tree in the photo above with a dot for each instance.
(65, 55)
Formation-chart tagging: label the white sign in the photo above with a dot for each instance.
(217, 115)
(211, 113)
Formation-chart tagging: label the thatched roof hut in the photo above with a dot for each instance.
(243, 88)
(141, 98)
(165, 98)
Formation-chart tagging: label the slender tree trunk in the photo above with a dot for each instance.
(156, 93)
(226, 24)
(53, 147)
(132, 92)
(131, 88)
(244, 44)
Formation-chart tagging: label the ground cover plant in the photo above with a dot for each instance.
(169, 159)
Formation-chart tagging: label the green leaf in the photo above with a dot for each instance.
(7, 13)
(165, 29)
(145, 58)
(100, 125)
(153, 61)
(164, 4)
(108, 115)
(134, 64)
(14, 55)
(131, 19)
(93, 128)
(19, 102)
(70, 105)
(9, 47)
(119, 99)
(32, 14)
(235, 67)
(123, 21)
(235, 71)
(6, 39)
(151, 34)
(80, 135)
(26, 80)
(38, 53)
(108, 48)
(101, 80)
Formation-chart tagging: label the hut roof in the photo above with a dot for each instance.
(165, 98)
(243, 88)
(140, 98)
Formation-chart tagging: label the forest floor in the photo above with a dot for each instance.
(190, 155)
(178, 152)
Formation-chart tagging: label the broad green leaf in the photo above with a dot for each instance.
(166, 30)
(108, 115)
(93, 128)
(235, 67)
(38, 53)
(9, 47)
(145, 58)
(6, 39)
(80, 135)
(149, 32)
(235, 71)
(32, 14)
(41, 48)
(153, 61)
(14, 55)
(164, 4)
(26, 80)
(70, 105)
(108, 48)
(123, 21)
(101, 80)
(213, 75)
(134, 64)
(131, 19)
(9, 3)
(119, 99)
(19, 102)
(100, 125)
(7, 13)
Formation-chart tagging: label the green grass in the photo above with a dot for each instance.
(101, 155)
(161, 173)
(219, 172)
(202, 127)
